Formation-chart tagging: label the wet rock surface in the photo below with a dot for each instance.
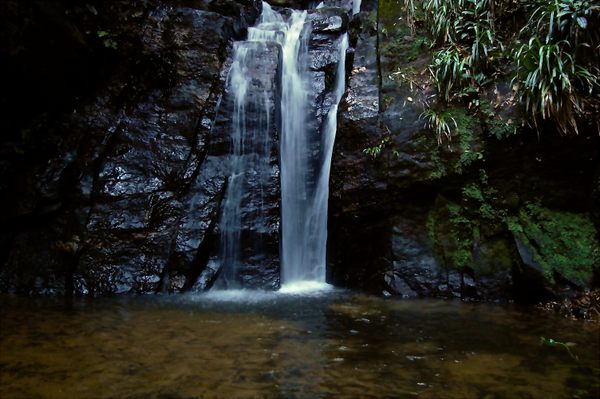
(259, 210)
(116, 182)
(134, 198)
(130, 200)
(413, 217)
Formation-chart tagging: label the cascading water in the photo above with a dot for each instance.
(304, 174)
(250, 143)
(304, 204)
(317, 212)
(356, 7)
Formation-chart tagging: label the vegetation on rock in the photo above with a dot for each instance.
(555, 72)
(563, 243)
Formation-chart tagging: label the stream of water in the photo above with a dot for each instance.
(331, 344)
(305, 155)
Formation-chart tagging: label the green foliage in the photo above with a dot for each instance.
(564, 20)
(373, 151)
(440, 122)
(442, 15)
(453, 21)
(466, 29)
(107, 39)
(446, 125)
(450, 70)
(561, 242)
(483, 45)
(495, 125)
(452, 233)
(473, 191)
(549, 342)
(376, 150)
(551, 80)
(465, 126)
(557, 68)
(439, 169)
(478, 195)
(411, 14)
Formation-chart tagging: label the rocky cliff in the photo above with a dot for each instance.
(115, 162)
(128, 196)
(496, 211)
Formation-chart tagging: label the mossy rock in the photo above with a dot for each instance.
(562, 244)
(494, 256)
(452, 234)
(465, 148)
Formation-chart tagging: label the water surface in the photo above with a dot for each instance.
(264, 345)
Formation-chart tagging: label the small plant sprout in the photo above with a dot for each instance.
(552, 343)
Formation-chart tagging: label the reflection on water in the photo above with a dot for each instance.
(330, 345)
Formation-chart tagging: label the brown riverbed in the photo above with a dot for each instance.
(263, 345)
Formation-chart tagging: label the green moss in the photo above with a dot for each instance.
(452, 233)
(487, 211)
(495, 125)
(561, 242)
(439, 168)
(501, 129)
(398, 40)
(467, 151)
(481, 196)
(514, 225)
(465, 125)
(496, 256)
(473, 191)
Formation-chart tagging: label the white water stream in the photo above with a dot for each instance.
(304, 182)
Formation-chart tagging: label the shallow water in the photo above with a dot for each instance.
(331, 344)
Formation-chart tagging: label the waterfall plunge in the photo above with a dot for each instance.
(304, 208)
(304, 183)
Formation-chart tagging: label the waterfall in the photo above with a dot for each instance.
(250, 144)
(231, 215)
(304, 203)
(317, 217)
(295, 196)
(304, 171)
(355, 7)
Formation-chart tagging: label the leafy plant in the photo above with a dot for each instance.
(553, 344)
(550, 77)
(467, 29)
(375, 151)
(411, 14)
(557, 68)
(484, 43)
(440, 122)
(107, 39)
(450, 70)
(564, 19)
(454, 21)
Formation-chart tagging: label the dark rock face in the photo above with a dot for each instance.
(131, 201)
(327, 25)
(358, 186)
(412, 217)
(117, 183)
(134, 200)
